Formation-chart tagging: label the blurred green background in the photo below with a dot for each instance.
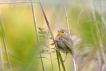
(87, 25)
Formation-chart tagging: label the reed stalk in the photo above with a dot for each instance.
(1, 54)
(68, 28)
(36, 30)
(4, 40)
(59, 58)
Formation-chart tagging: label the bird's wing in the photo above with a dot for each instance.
(69, 45)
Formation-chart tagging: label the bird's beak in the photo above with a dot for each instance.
(58, 30)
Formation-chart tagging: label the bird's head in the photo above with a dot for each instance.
(60, 33)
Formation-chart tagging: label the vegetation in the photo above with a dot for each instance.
(28, 28)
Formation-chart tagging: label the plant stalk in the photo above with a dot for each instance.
(34, 18)
(4, 40)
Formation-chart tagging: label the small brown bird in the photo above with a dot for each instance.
(64, 42)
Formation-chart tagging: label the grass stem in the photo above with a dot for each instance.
(4, 40)
(74, 62)
(98, 34)
(35, 24)
(57, 52)
(65, 10)
(1, 54)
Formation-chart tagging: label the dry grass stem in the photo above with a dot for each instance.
(36, 30)
(17, 2)
(57, 52)
(4, 40)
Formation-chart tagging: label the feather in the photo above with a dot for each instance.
(69, 46)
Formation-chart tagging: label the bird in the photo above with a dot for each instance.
(64, 42)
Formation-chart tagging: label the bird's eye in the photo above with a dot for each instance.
(62, 31)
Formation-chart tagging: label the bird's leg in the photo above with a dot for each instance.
(65, 58)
